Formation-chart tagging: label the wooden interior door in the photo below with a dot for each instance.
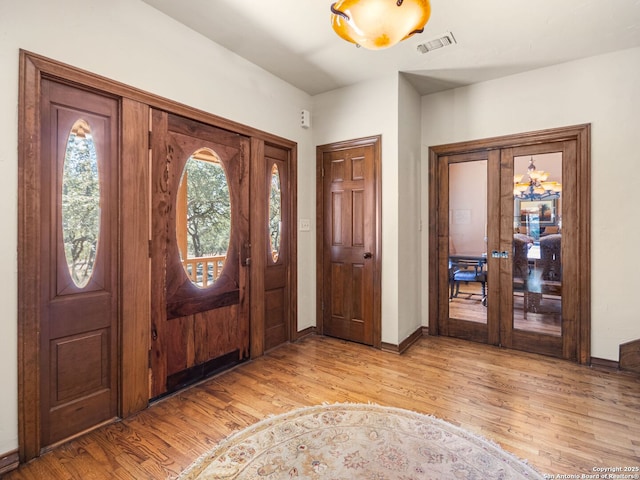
(541, 314)
(536, 253)
(350, 247)
(78, 261)
(468, 223)
(196, 329)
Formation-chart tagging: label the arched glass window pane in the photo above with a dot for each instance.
(203, 217)
(80, 203)
(275, 213)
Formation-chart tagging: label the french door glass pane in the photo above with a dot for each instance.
(537, 241)
(468, 241)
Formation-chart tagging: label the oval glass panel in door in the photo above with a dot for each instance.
(203, 217)
(80, 203)
(275, 213)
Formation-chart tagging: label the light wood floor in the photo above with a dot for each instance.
(546, 318)
(563, 418)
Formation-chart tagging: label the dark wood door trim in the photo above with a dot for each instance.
(375, 142)
(437, 241)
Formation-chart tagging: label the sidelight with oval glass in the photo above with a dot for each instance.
(275, 213)
(203, 217)
(80, 209)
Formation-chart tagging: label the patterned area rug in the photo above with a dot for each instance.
(356, 441)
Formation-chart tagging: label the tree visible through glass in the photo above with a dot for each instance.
(275, 213)
(80, 208)
(206, 226)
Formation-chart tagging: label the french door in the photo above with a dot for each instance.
(510, 236)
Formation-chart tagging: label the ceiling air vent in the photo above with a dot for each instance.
(444, 40)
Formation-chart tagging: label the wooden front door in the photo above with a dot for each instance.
(350, 257)
(200, 308)
(78, 188)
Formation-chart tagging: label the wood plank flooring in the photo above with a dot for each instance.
(561, 417)
(545, 318)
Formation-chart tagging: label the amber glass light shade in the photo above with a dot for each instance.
(377, 24)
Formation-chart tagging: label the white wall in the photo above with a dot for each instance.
(160, 56)
(409, 212)
(468, 207)
(365, 110)
(157, 55)
(600, 90)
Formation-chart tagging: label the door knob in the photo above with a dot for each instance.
(368, 255)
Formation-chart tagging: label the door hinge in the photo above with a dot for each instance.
(322, 172)
(150, 246)
(149, 139)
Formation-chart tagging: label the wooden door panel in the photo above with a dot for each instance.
(564, 345)
(457, 173)
(79, 366)
(277, 317)
(275, 328)
(349, 230)
(220, 332)
(217, 333)
(83, 313)
(79, 323)
(195, 329)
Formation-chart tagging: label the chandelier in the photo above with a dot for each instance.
(537, 188)
(377, 24)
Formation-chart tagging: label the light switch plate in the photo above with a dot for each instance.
(305, 225)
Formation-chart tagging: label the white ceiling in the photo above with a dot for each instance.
(293, 39)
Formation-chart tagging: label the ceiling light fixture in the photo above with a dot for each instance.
(537, 188)
(377, 24)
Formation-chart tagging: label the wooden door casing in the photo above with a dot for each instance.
(350, 247)
(78, 324)
(195, 330)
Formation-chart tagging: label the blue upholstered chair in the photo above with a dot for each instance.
(462, 270)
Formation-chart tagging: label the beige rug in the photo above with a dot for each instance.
(356, 441)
